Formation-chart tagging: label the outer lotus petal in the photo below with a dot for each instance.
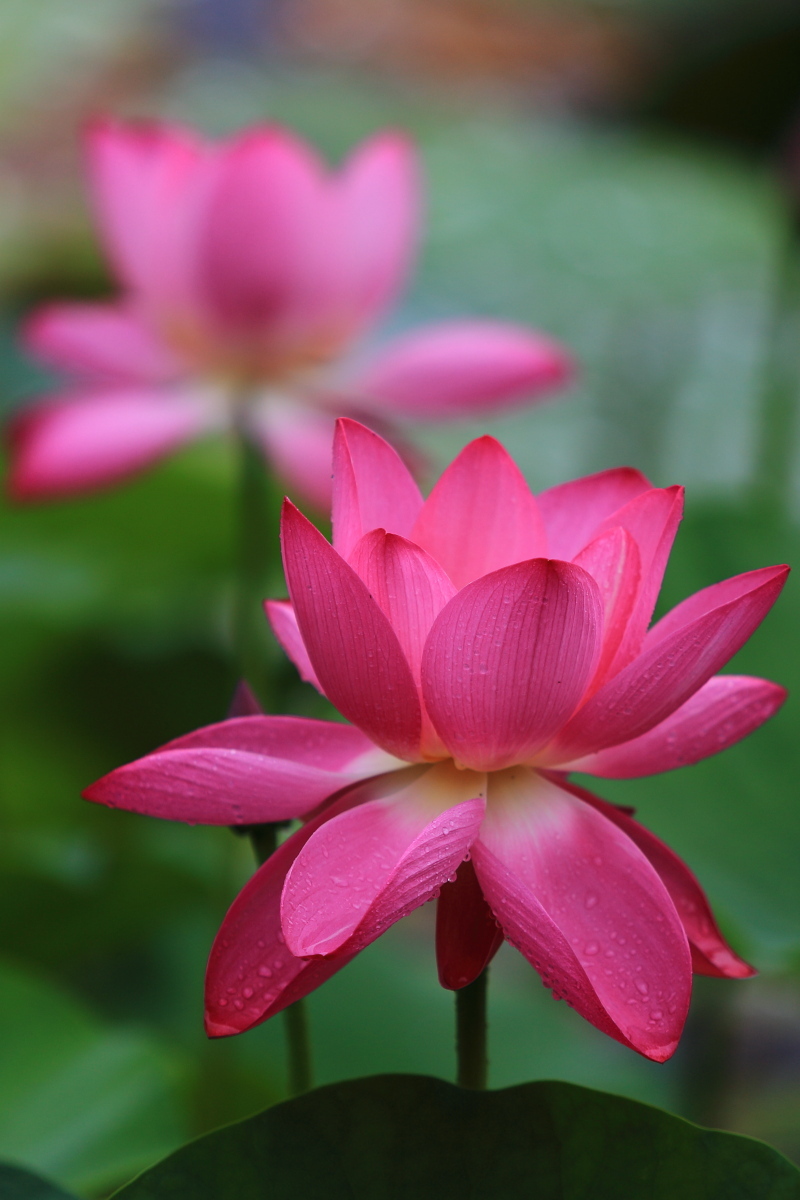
(372, 487)
(725, 709)
(145, 179)
(467, 935)
(283, 620)
(268, 261)
(583, 904)
(251, 975)
(508, 660)
(243, 771)
(614, 562)
(652, 519)
(459, 367)
(378, 197)
(89, 440)
(711, 954)
(327, 745)
(573, 511)
(718, 594)
(365, 869)
(481, 515)
(103, 341)
(352, 647)
(297, 439)
(671, 667)
(218, 787)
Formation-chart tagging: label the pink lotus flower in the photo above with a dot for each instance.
(483, 643)
(248, 271)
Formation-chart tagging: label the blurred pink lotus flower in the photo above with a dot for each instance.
(248, 271)
(483, 643)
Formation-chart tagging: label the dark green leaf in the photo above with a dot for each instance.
(16, 1184)
(409, 1136)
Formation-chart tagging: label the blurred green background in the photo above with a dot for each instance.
(611, 173)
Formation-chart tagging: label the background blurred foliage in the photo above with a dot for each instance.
(658, 262)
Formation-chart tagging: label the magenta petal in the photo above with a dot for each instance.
(467, 935)
(725, 709)
(412, 589)
(372, 487)
(365, 869)
(329, 745)
(108, 342)
(715, 955)
(573, 512)
(353, 649)
(145, 180)
(243, 771)
(676, 660)
(508, 660)
(218, 787)
(409, 585)
(283, 620)
(459, 367)
(578, 898)
(614, 562)
(93, 439)
(268, 260)
(378, 197)
(652, 519)
(481, 515)
(251, 975)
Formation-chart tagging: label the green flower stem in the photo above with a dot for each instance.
(258, 533)
(777, 447)
(264, 841)
(471, 1031)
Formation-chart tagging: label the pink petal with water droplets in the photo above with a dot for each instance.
(87, 440)
(329, 745)
(244, 771)
(377, 194)
(412, 589)
(467, 935)
(614, 562)
(353, 649)
(108, 342)
(146, 180)
(715, 956)
(508, 659)
(672, 666)
(481, 515)
(463, 366)
(582, 903)
(283, 620)
(372, 487)
(652, 520)
(725, 709)
(365, 869)
(572, 512)
(251, 975)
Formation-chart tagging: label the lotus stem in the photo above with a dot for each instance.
(471, 1033)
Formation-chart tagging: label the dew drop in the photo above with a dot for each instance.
(247, 992)
(591, 948)
(265, 972)
(238, 1005)
(642, 987)
(591, 900)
